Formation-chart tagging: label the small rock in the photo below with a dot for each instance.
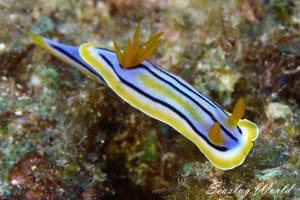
(278, 110)
(2, 47)
(268, 174)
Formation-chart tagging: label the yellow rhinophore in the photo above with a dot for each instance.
(237, 114)
(215, 135)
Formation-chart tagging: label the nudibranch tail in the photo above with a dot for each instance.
(134, 53)
(225, 139)
(66, 53)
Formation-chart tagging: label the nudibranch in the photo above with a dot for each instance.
(224, 138)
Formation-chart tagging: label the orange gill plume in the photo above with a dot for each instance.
(135, 52)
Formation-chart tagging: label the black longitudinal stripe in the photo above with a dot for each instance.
(71, 57)
(220, 148)
(176, 80)
(185, 86)
(189, 97)
(194, 92)
(197, 93)
(105, 49)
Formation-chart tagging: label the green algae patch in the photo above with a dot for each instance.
(43, 25)
(150, 150)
